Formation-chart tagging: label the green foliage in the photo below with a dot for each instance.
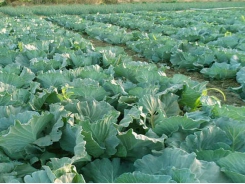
(74, 113)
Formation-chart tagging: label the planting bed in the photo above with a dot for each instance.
(123, 97)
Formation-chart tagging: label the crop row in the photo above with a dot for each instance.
(212, 59)
(78, 9)
(74, 113)
(211, 21)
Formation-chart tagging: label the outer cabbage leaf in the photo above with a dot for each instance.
(40, 177)
(227, 42)
(13, 68)
(58, 170)
(24, 58)
(45, 97)
(133, 115)
(92, 110)
(126, 102)
(12, 79)
(183, 175)
(22, 117)
(235, 130)
(22, 135)
(27, 75)
(172, 159)
(43, 64)
(191, 92)
(221, 70)
(115, 87)
(85, 89)
(170, 125)
(64, 171)
(7, 58)
(13, 171)
(151, 105)
(139, 72)
(210, 138)
(51, 134)
(7, 111)
(73, 141)
(94, 72)
(229, 111)
(113, 55)
(240, 76)
(192, 57)
(137, 145)
(101, 135)
(53, 78)
(233, 166)
(104, 170)
(170, 104)
(212, 155)
(17, 98)
(139, 177)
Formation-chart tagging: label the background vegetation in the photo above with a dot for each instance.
(77, 9)
(31, 2)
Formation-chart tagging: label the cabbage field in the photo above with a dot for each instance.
(76, 111)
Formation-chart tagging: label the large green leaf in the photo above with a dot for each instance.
(22, 135)
(133, 115)
(170, 104)
(12, 79)
(64, 171)
(7, 58)
(212, 155)
(42, 176)
(104, 170)
(235, 130)
(240, 76)
(192, 56)
(139, 177)
(92, 146)
(137, 145)
(210, 138)
(43, 64)
(169, 158)
(92, 110)
(233, 166)
(73, 141)
(85, 89)
(41, 99)
(172, 161)
(53, 78)
(151, 105)
(230, 111)
(113, 55)
(146, 71)
(101, 134)
(183, 175)
(22, 117)
(191, 92)
(51, 135)
(172, 124)
(221, 71)
(7, 111)
(94, 72)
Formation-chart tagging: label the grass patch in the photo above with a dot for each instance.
(77, 9)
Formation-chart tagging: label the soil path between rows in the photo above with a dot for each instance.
(223, 85)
